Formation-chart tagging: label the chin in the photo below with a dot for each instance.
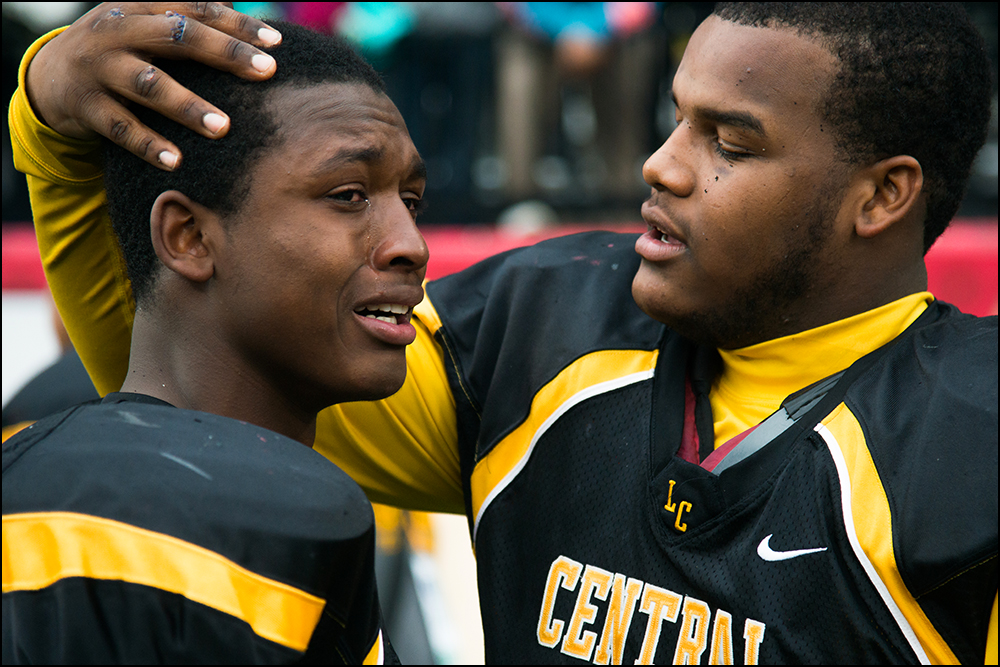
(356, 382)
(652, 295)
(380, 384)
(383, 390)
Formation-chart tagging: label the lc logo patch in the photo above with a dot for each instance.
(677, 509)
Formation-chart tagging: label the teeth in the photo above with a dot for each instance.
(664, 238)
(390, 318)
(394, 308)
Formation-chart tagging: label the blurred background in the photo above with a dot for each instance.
(526, 113)
(534, 120)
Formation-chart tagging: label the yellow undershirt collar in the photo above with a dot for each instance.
(756, 379)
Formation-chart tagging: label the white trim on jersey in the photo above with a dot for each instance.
(380, 658)
(575, 399)
(848, 512)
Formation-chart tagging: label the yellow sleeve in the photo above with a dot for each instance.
(991, 638)
(402, 451)
(80, 254)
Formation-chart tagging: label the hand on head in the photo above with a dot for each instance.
(81, 82)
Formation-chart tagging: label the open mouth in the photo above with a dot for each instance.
(664, 237)
(657, 245)
(390, 313)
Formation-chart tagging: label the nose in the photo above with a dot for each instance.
(401, 246)
(669, 168)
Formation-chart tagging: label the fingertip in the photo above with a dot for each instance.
(214, 122)
(263, 63)
(269, 36)
(169, 159)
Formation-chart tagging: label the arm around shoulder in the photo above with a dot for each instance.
(79, 252)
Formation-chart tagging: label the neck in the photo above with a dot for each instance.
(865, 289)
(755, 380)
(189, 366)
(867, 273)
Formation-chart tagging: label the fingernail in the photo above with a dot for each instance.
(262, 62)
(168, 159)
(268, 37)
(213, 122)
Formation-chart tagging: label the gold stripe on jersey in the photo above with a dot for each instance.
(42, 548)
(872, 529)
(991, 638)
(11, 429)
(376, 656)
(590, 375)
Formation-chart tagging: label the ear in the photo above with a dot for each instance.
(894, 185)
(184, 234)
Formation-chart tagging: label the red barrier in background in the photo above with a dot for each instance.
(961, 267)
(22, 269)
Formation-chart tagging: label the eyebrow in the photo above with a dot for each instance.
(369, 154)
(348, 155)
(418, 168)
(739, 119)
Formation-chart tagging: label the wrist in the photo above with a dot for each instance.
(31, 80)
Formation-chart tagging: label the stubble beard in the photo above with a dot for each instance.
(766, 307)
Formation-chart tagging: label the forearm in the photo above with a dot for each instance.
(80, 255)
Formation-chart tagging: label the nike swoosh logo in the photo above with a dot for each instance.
(765, 551)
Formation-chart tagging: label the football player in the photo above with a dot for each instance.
(749, 435)
(181, 519)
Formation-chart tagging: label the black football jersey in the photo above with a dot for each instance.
(135, 532)
(859, 525)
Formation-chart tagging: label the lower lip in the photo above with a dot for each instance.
(393, 334)
(651, 248)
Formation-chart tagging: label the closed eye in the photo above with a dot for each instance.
(416, 205)
(349, 195)
(728, 155)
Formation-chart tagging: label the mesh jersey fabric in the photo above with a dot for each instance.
(138, 532)
(424, 471)
(592, 502)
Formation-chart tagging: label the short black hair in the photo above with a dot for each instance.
(216, 172)
(915, 79)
